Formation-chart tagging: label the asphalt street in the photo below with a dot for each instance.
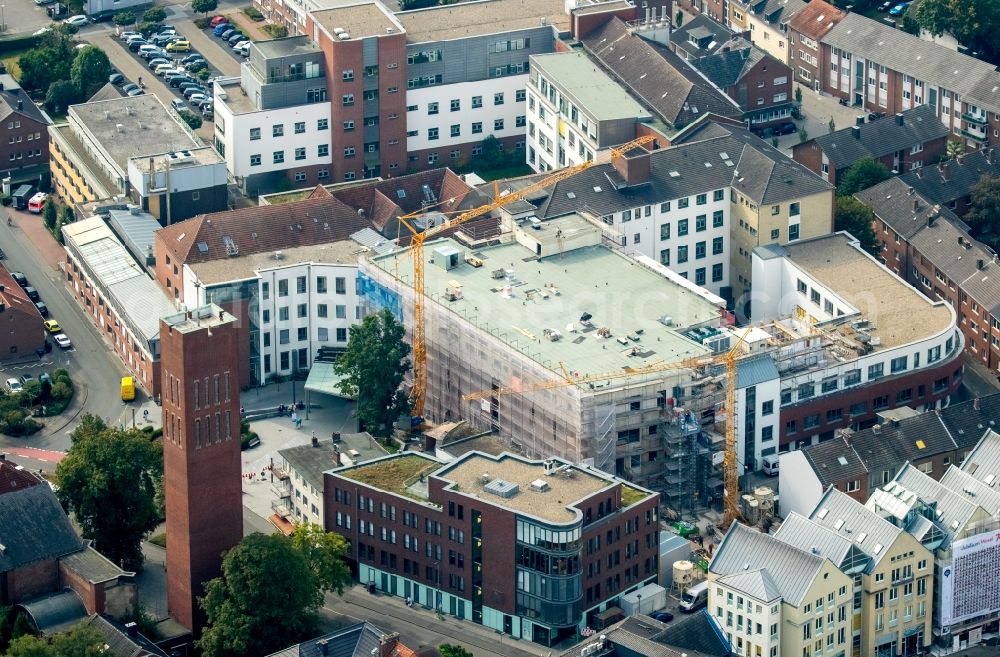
(95, 370)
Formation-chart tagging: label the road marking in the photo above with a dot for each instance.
(36, 454)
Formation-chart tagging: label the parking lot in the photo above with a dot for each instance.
(23, 17)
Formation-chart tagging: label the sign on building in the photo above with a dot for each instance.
(969, 585)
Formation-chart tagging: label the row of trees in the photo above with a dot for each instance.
(61, 73)
(975, 23)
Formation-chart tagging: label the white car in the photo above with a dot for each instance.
(40, 32)
(125, 36)
(77, 21)
(13, 385)
(62, 340)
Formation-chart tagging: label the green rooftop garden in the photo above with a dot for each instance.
(393, 475)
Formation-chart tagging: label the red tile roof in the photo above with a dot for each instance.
(13, 297)
(13, 478)
(816, 19)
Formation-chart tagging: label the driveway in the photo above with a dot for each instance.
(23, 17)
(818, 109)
(212, 48)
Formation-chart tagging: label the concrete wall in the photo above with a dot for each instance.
(799, 486)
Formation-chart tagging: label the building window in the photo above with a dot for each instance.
(278, 130)
(497, 124)
(300, 176)
(254, 134)
(300, 127)
(717, 272)
(477, 127)
(278, 157)
(432, 108)
(323, 150)
(456, 105)
(322, 124)
(456, 130)
(255, 160)
(793, 232)
(300, 153)
(432, 134)
(347, 100)
(349, 151)
(498, 99)
(477, 102)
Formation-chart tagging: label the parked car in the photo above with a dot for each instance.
(184, 86)
(662, 616)
(156, 61)
(242, 48)
(125, 36)
(198, 96)
(178, 104)
(148, 47)
(13, 385)
(228, 32)
(786, 128)
(52, 326)
(176, 81)
(179, 46)
(899, 9)
(62, 340)
(208, 113)
(116, 78)
(154, 54)
(135, 44)
(236, 38)
(200, 102)
(218, 20)
(19, 278)
(44, 2)
(193, 57)
(165, 39)
(196, 65)
(220, 28)
(77, 21)
(190, 91)
(137, 92)
(163, 69)
(32, 293)
(43, 310)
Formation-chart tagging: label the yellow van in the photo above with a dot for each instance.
(128, 388)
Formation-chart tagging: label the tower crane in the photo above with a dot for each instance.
(419, 337)
(728, 358)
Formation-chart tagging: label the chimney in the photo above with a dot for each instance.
(856, 132)
(975, 407)
(945, 168)
(859, 119)
(916, 203)
(387, 644)
(931, 219)
(323, 649)
(980, 264)
(899, 118)
(633, 166)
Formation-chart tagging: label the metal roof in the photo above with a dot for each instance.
(801, 532)
(952, 510)
(791, 569)
(962, 483)
(136, 231)
(757, 584)
(852, 520)
(755, 370)
(58, 612)
(374, 240)
(983, 462)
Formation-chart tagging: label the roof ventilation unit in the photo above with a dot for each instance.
(539, 485)
(501, 488)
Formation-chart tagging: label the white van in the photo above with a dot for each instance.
(770, 464)
(695, 597)
(242, 49)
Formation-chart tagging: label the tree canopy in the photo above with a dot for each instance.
(90, 70)
(856, 218)
(861, 175)
(973, 22)
(324, 552)
(49, 61)
(204, 6)
(81, 641)
(266, 599)
(984, 215)
(108, 480)
(373, 367)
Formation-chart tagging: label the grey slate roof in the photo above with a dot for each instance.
(8, 105)
(56, 612)
(967, 424)
(660, 79)
(861, 525)
(709, 35)
(34, 528)
(963, 173)
(755, 370)
(755, 583)
(775, 12)
(119, 644)
(744, 549)
(727, 67)
(93, 566)
(758, 171)
(835, 461)
(354, 641)
(311, 462)
(694, 635)
(882, 136)
(892, 201)
(934, 64)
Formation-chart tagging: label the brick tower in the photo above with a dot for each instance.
(201, 452)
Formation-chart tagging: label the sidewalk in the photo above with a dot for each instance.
(249, 27)
(34, 229)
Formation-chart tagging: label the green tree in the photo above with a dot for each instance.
(984, 215)
(909, 24)
(679, 18)
(417, 4)
(66, 216)
(861, 175)
(325, 553)
(453, 650)
(81, 641)
(266, 599)
(204, 6)
(803, 135)
(50, 213)
(90, 70)
(953, 149)
(154, 15)
(108, 480)
(192, 119)
(373, 367)
(832, 125)
(62, 94)
(798, 94)
(856, 218)
(124, 18)
(973, 22)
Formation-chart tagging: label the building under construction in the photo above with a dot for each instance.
(546, 302)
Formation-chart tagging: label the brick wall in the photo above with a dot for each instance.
(31, 580)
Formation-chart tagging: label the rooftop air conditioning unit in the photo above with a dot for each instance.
(539, 485)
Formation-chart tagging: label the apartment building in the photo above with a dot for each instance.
(364, 92)
(695, 635)
(903, 142)
(771, 598)
(933, 250)
(24, 147)
(575, 111)
(126, 148)
(950, 183)
(806, 30)
(879, 68)
(766, 22)
(423, 529)
(118, 295)
(957, 518)
(26, 332)
(896, 587)
(701, 206)
(858, 462)
(847, 345)
(699, 37)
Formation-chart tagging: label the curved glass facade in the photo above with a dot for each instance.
(549, 581)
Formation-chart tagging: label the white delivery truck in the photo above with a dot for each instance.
(695, 597)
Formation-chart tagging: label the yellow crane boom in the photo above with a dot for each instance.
(419, 337)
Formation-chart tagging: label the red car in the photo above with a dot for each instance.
(218, 20)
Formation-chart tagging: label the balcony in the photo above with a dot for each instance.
(975, 118)
(974, 135)
(282, 508)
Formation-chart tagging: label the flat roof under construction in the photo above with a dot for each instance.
(518, 298)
